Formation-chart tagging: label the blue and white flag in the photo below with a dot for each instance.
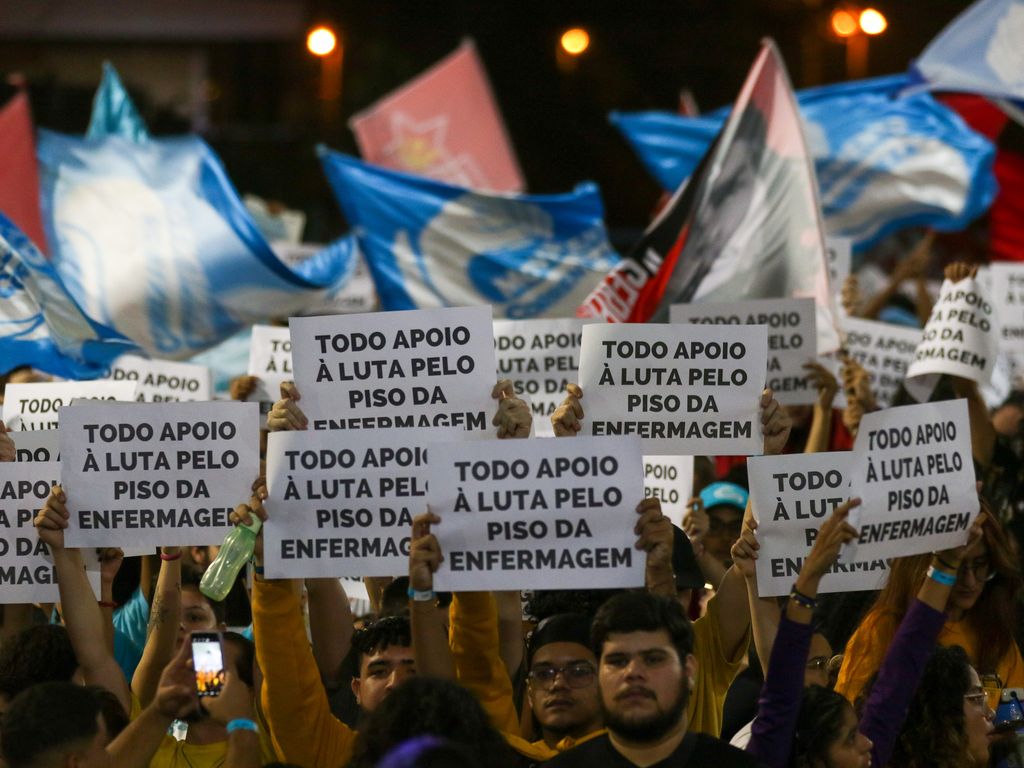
(152, 239)
(430, 244)
(113, 111)
(981, 51)
(883, 161)
(41, 325)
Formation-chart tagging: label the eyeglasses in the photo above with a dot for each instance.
(978, 699)
(981, 569)
(578, 675)
(819, 663)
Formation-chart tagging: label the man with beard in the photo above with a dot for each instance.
(644, 644)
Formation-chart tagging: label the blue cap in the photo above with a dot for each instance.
(717, 494)
(899, 316)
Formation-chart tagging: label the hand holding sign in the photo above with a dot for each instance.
(7, 450)
(243, 386)
(832, 535)
(513, 418)
(821, 379)
(744, 551)
(424, 553)
(960, 270)
(286, 414)
(775, 423)
(52, 519)
(654, 532)
(567, 418)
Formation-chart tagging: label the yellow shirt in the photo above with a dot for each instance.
(866, 650)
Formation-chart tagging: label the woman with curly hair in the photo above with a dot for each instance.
(980, 616)
(949, 721)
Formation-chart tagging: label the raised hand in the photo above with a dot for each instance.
(567, 418)
(775, 423)
(513, 418)
(286, 414)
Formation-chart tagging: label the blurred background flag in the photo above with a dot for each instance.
(114, 112)
(445, 125)
(981, 51)
(19, 172)
(883, 161)
(430, 244)
(745, 226)
(41, 325)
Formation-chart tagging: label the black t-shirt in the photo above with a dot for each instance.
(695, 751)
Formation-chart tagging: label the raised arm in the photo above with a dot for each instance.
(429, 639)
(82, 614)
(162, 631)
(821, 419)
(330, 626)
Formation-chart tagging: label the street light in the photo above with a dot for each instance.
(844, 23)
(321, 41)
(575, 41)
(872, 22)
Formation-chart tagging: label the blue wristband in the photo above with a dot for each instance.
(421, 596)
(242, 724)
(943, 578)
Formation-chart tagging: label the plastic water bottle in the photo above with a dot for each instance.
(234, 553)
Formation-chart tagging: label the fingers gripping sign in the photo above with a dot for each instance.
(513, 418)
(775, 424)
(286, 413)
(52, 519)
(7, 450)
(745, 550)
(424, 553)
(567, 419)
(696, 524)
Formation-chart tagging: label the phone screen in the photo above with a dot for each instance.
(208, 660)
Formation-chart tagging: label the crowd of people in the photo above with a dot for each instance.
(694, 669)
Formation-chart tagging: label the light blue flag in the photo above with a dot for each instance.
(153, 240)
(430, 244)
(41, 325)
(114, 112)
(980, 51)
(883, 161)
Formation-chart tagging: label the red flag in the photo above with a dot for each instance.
(746, 225)
(19, 171)
(445, 125)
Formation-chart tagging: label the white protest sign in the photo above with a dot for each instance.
(36, 406)
(343, 511)
(37, 445)
(270, 361)
(670, 480)
(792, 338)
(27, 574)
(529, 514)
(885, 350)
(791, 496)
(838, 258)
(913, 469)
(962, 334)
(422, 368)
(147, 474)
(540, 356)
(1008, 297)
(687, 390)
(163, 381)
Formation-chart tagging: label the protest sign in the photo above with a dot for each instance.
(148, 474)
(529, 514)
(540, 356)
(36, 406)
(1008, 298)
(686, 390)
(27, 574)
(961, 336)
(913, 468)
(885, 350)
(838, 258)
(792, 338)
(343, 511)
(419, 368)
(670, 480)
(270, 361)
(791, 496)
(37, 445)
(163, 381)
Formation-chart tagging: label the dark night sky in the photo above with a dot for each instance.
(267, 119)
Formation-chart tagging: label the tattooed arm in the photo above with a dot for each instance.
(162, 634)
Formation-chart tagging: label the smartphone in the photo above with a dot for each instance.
(208, 662)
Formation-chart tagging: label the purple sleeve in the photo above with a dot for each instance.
(771, 735)
(898, 677)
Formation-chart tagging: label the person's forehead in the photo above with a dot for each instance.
(562, 653)
(725, 511)
(192, 598)
(392, 653)
(637, 642)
